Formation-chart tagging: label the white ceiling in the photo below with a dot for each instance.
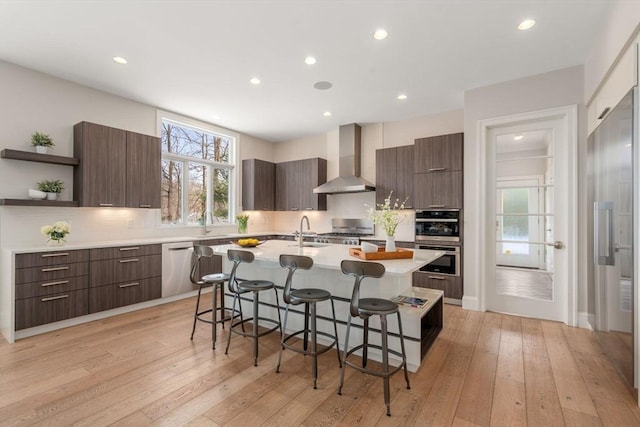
(196, 57)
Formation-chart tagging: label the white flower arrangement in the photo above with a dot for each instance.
(388, 216)
(57, 231)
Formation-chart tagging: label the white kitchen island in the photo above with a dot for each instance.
(420, 325)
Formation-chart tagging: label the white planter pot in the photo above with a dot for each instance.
(52, 196)
(41, 149)
(390, 245)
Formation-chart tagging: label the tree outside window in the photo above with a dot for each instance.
(196, 174)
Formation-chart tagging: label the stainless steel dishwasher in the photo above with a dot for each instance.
(176, 266)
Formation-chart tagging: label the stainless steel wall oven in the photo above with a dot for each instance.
(448, 264)
(439, 225)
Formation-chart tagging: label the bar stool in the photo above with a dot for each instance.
(216, 280)
(364, 308)
(309, 297)
(255, 286)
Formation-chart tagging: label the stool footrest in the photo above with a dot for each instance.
(250, 333)
(380, 374)
(308, 352)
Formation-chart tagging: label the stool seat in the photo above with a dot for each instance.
(255, 285)
(376, 306)
(300, 296)
(215, 278)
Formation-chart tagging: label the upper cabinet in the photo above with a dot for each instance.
(438, 172)
(258, 185)
(439, 153)
(117, 168)
(295, 181)
(395, 172)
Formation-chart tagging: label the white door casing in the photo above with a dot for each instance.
(565, 138)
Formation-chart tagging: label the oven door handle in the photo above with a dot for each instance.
(436, 220)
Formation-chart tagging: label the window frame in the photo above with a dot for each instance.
(231, 166)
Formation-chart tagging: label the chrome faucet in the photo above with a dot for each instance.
(204, 222)
(300, 238)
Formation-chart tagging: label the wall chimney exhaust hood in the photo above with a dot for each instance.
(349, 179)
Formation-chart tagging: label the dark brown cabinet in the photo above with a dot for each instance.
(258, 185)
(124, 275)
(117, 168)
(295, 181)
(451, 285)
(394, 172)
(50, 286)
(143, 171)
(438, 172)
(439, 153)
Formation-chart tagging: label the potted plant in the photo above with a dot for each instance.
(388, 216)
(56, 232)
(42, 142)
(52, 188)
(243, 220)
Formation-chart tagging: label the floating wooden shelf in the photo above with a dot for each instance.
(35, 202)
(36, 157)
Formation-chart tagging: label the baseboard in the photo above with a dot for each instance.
(470, 303)
(586, 321)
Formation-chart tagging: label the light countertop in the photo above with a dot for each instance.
(329, 256)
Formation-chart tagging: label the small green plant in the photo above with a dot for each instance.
(51, 186)
(41, 139)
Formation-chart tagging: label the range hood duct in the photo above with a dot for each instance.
(349, 162)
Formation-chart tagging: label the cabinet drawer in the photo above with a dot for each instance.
(51, 258)
(125, 252)
(126, 293)
(40, 310)
(51, 287)
(110, 271)
(451, 285)
(46, 273)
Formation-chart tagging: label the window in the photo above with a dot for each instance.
(197, 170)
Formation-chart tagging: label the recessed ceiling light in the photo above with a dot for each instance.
(628, 145)
(380, 34)
(255, 81)
(402, 97)
(216, 117)
(327, 114)
(518, 137)
(310, 60)
(119, 60)
(322, 85)
(526, 24)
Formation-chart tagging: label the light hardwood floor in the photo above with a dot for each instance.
(141, 369)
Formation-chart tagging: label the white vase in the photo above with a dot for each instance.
(41, 149)
(390, 245)
(52, 196)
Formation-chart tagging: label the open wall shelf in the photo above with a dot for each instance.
(35, 157)
(35, 202)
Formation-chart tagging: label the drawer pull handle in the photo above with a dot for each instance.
(106, 204)
(128, 285)
(45, 270)
(61, 282)
(54, 298)
(437, 278)
(132, 248)
(436, 169)
(122, 261)
(145, 206)
(437, 206)
(56, 254)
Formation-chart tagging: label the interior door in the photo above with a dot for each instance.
(529, 165)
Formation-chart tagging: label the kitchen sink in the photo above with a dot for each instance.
(311, 245)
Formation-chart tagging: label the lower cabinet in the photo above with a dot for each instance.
(40, 310)
(124, 275)
(451, 285)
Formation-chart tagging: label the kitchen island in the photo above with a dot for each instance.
(420, 325)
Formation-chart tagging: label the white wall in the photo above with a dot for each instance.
(618, 29)
(33, 101)
(554, 89)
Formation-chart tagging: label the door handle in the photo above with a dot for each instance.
(557, 244)
(608, 245)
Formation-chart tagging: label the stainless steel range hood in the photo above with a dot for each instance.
(349, 179)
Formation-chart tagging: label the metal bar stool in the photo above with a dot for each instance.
(309, 297)
(364, 308)
(255, 286)
(216, 280)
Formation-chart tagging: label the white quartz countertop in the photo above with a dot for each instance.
(329, 255)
